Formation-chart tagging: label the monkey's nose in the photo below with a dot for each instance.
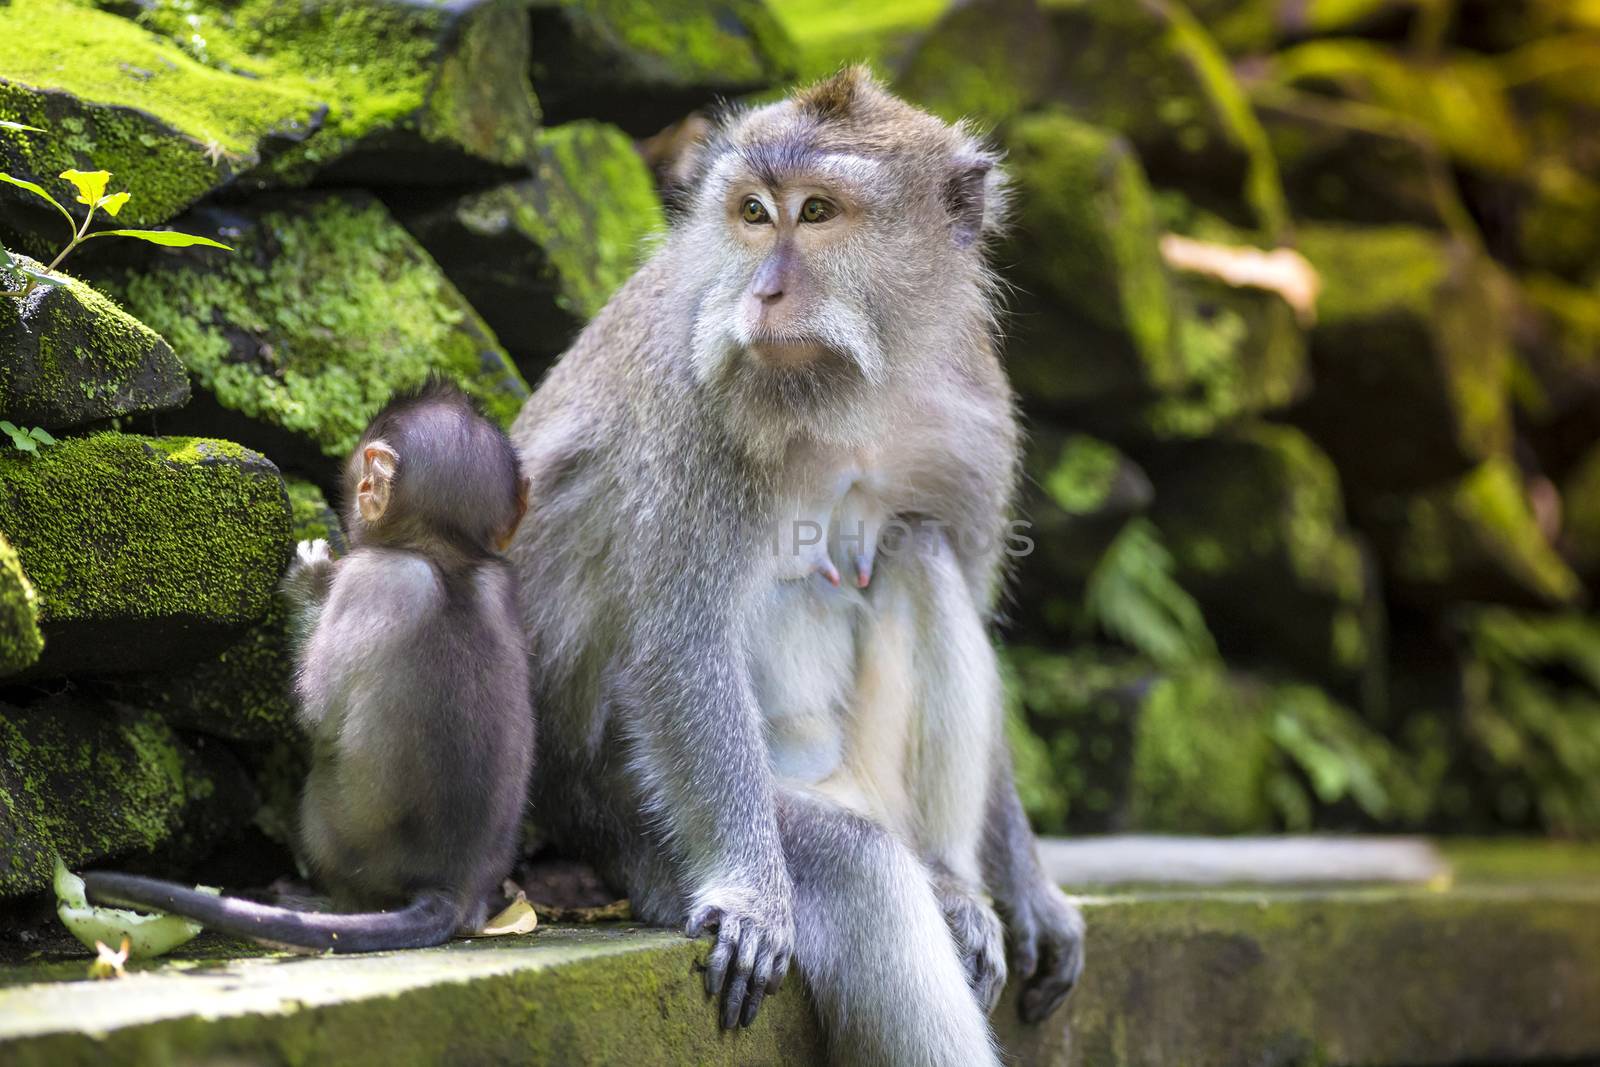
(767, 285)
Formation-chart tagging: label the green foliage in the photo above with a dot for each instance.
(1533, 716)
(1133, 597)
(91, 187)
(27, 440)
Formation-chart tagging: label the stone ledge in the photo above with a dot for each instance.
(1493, 970)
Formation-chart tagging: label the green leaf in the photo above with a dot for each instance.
(7, 125)
(41, 277)
(9, 428)
(113, 203)
(6, 262)
(39, 190)
(91, 184)
(170, 238)
(40, 434)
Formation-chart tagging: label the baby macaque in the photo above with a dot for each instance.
(413, 686)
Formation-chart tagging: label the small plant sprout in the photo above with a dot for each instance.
(26, 440)
(91, 186)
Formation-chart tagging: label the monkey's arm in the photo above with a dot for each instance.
(699, 744)
(306, 584)
(1044, 929)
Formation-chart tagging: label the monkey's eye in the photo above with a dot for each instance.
(752, 211)
(817, 210)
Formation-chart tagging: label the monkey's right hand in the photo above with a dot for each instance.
(754, 934)
(309, 572)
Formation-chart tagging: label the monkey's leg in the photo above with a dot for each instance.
(923, 598)
(872, 944)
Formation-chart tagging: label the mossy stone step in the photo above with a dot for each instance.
(1487, 971)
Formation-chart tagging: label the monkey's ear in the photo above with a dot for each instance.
(379, 463)
(516, 520)
(965, 196)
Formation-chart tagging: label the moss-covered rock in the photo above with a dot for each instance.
(1086, 242)
(144, 551)
(414, 92)
(1410, 354)
(1473, 538)
(1252, 26)
(1345, 161)
(295, 341)
(987, 61)
(1105, 332)
(1255, 519)
(111, 96)
(1103, 742)
(88, 782)
(1531, 719)
(1557, 377)
(1580, 524)
(20, 641)
(643, 65)
(1557, 222)
(69, 356)
(1150, 71)
(829, 34)
(540, 257)
(1460, 100)
(245, 692)
(1080, 493)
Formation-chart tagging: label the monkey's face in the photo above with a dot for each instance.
(834, 232)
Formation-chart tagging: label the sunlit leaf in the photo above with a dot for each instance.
(39, 191)
(170, 238)
(43, 278)
(113, 203)
(91, 184)
(6, 262)
(40, 434)
(149, 935)
(7, 125)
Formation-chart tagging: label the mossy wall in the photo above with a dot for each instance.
(1275, 491)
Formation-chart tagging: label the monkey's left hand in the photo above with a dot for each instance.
(1046, 936)
(979, 938)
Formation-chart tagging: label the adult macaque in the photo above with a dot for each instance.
(413, 685)
(805, 766)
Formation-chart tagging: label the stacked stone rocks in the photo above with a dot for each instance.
(1294, 565)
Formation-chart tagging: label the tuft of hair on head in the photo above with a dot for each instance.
(834, 98)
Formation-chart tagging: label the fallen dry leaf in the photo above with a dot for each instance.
(1282, 270)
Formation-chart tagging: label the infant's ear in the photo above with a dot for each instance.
(516, 520)
(379, 463)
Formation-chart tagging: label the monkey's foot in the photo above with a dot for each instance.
(1046, 949)
(979, 938)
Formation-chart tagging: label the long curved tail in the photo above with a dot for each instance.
(429, 919)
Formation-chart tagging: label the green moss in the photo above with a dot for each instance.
(830, 34)
(1533, 718)
(1201, 758)
(1152, 72)
(984, 62)
(123, 527)
(1087, 236)
(1580, 519)
(741, 41)
(20, 642)
(1083, 475)
(245, 691)
(1479, 534)
(326, 308)
(69, 355)
(592, 207)
(425, 69)
(1425, 356)
(1459, 99)
(169, 128)
(84, 783)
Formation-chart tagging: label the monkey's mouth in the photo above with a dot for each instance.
(790, 354)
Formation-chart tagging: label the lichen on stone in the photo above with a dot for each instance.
(325, 309)
(20, 641)
(155, 534)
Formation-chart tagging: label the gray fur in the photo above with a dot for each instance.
(413, 686)
(738, 742)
